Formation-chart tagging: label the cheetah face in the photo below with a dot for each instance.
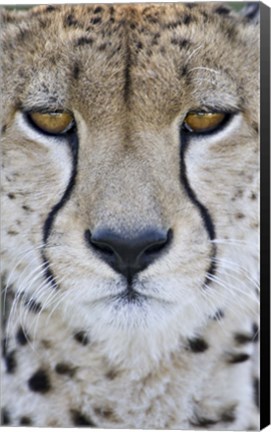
(124, 160)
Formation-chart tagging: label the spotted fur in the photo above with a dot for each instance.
(181, 352)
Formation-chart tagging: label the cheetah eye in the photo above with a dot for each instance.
(55, 123)
(201, 122)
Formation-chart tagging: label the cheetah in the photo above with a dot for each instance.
(129, 140)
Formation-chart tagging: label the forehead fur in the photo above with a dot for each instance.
(105, 53)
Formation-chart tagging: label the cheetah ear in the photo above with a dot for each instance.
(252, 12)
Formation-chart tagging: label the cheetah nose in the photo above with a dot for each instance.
(129, 255)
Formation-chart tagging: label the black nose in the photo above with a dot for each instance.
(129, 255)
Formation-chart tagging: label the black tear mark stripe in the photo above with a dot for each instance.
(207, 220)
(73, 144)
(205, 215)
(47, 227)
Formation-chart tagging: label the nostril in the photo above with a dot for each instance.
(159, 245)
(100, 247)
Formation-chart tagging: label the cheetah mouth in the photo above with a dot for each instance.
(130, 295)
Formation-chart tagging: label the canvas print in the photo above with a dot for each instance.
(129, 216)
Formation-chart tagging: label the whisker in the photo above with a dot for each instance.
(232, 289)
(236, 268)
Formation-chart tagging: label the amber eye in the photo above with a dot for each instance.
(55, 123)
(203, 122)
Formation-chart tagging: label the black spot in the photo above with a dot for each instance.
(11, 195)
(139, 45)
(107, 413)
(81, 337)
(198, 345)
(228, 416)
(111, 374)
(12, 232)
(255, 333)
(26, 208)
(22, 337)
(190, 5)
(184, 71)
(10, 362)
(222, 10)
(98, 10)
(253, 196)
(187, 19)
(132, 26)
(218, 315)
(156, 36)
(5, 418)
(173, 25)
(151, 19)
(39, 382)
(182, 43)
(33, 306)
(84, 41)
(96, 20)
(70, 21)
(238, 358)
(4, 128)
(239, 215)
(203, 422)
(25, 421)
(256, 385)
(76, 71)
(80, 419)
(241, 338)
(64, 369)
(255, 128)
(102, 47)
(50, 8)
